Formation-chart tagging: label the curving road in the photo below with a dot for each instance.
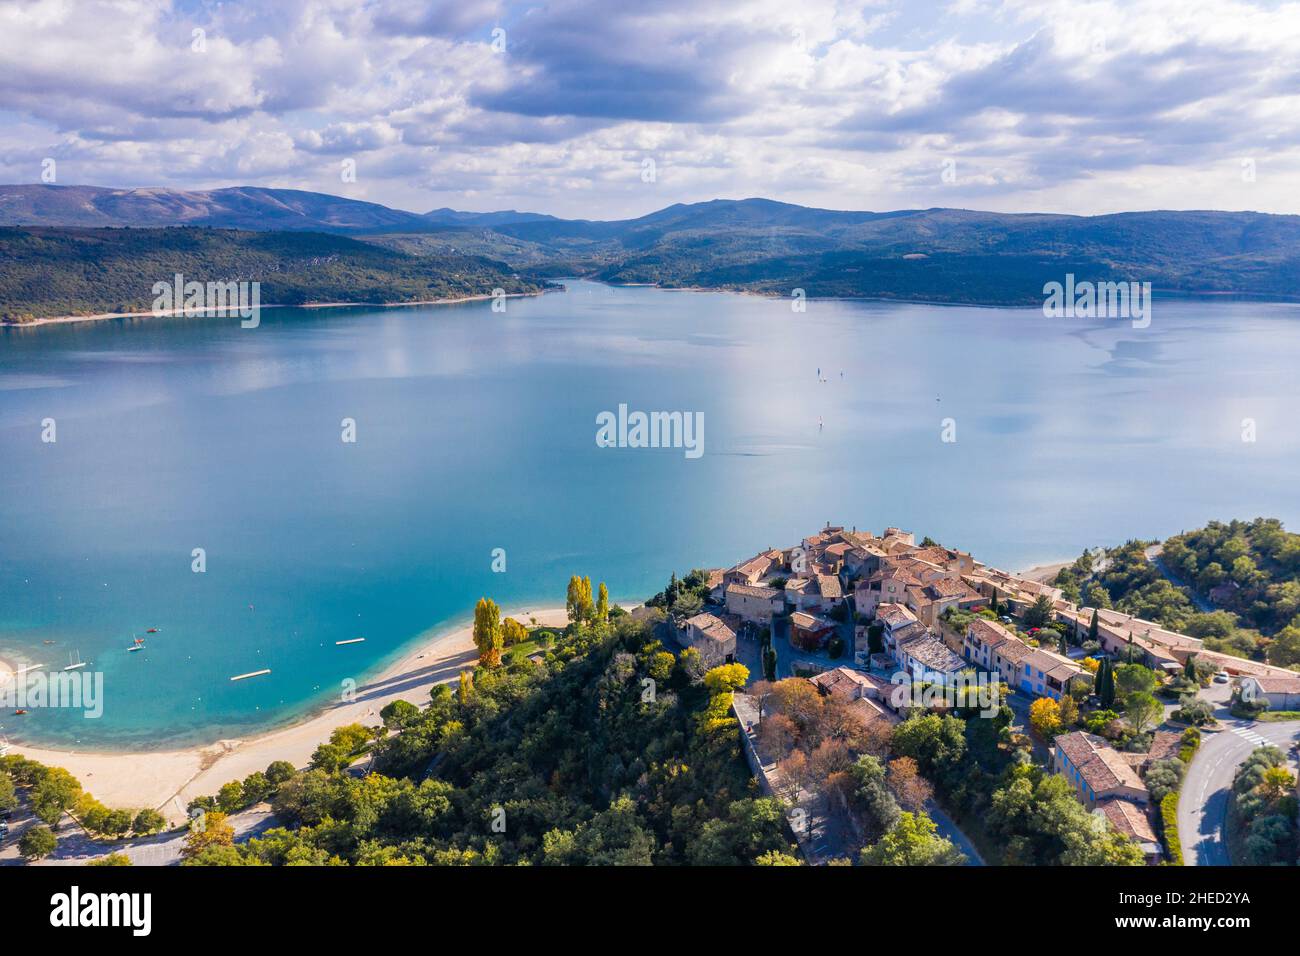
(1203, 806)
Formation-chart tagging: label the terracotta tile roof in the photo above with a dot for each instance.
(1278, 685)
(934, 654)
(829, 586)
(988, 633)
(810, 622)
(753, 590)
(948, 587)
(843, 682)
(1129, 819)
(715, 627)
(1099, 764)
(894, 615)
(1014, 651)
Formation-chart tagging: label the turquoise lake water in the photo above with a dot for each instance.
(476, 430)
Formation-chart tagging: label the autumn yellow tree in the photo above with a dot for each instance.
(1069, 712)
(207, 829)
(1045, 717)
(578, 602)
(512, 632)
(487, 632)
(602, 604)
(726, 678)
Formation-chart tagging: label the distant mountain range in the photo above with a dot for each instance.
(759, 245)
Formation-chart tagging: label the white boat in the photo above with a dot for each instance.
(251, 674)
(74, 661)
(355, 640)
(135, 647)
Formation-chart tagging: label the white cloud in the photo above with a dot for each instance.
(1060, 106)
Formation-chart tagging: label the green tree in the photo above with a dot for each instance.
(1143, 711)
(256, 788)
(8, 796)
(37, 843)
(399, 713)
(230, 798)
(1133, 679)
(602, 604)
(55, 792)
(913, 841)
(280, 771)
(1284, 650)
(147, 822)
(1040, 613)
(1093, 627)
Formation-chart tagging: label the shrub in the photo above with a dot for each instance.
(113, 859)
(1169, 828)
(1194, 712)
(1164, 777)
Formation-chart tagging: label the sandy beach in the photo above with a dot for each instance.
(168, 780)
(1044, 573)
(234, 310)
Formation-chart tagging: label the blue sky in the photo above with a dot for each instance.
(556, 107)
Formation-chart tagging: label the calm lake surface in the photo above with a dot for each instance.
(476, 430)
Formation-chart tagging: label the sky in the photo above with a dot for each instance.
(614, 109)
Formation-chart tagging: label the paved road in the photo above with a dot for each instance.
(949, 829)
(1153, 555)
(75, 848)
(1203, 806)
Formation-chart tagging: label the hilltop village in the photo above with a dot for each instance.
(871, 619)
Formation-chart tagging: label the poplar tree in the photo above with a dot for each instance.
(573, 602)
(487, 632)
(602, 604)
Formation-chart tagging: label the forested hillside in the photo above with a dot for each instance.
(1246, 572)
(608, 751)
(756, 245)
(54, 272)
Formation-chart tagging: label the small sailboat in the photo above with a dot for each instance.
(74, 661)
(152, 630)
(19, 712)
(137, 646)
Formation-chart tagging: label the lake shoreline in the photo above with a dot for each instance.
(234, 310)
(167, 780)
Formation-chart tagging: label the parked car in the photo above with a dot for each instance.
(1005, 619)
(1221, 677)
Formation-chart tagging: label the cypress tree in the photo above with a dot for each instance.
(1106, 684)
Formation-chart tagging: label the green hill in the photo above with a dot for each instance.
(48, 272)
